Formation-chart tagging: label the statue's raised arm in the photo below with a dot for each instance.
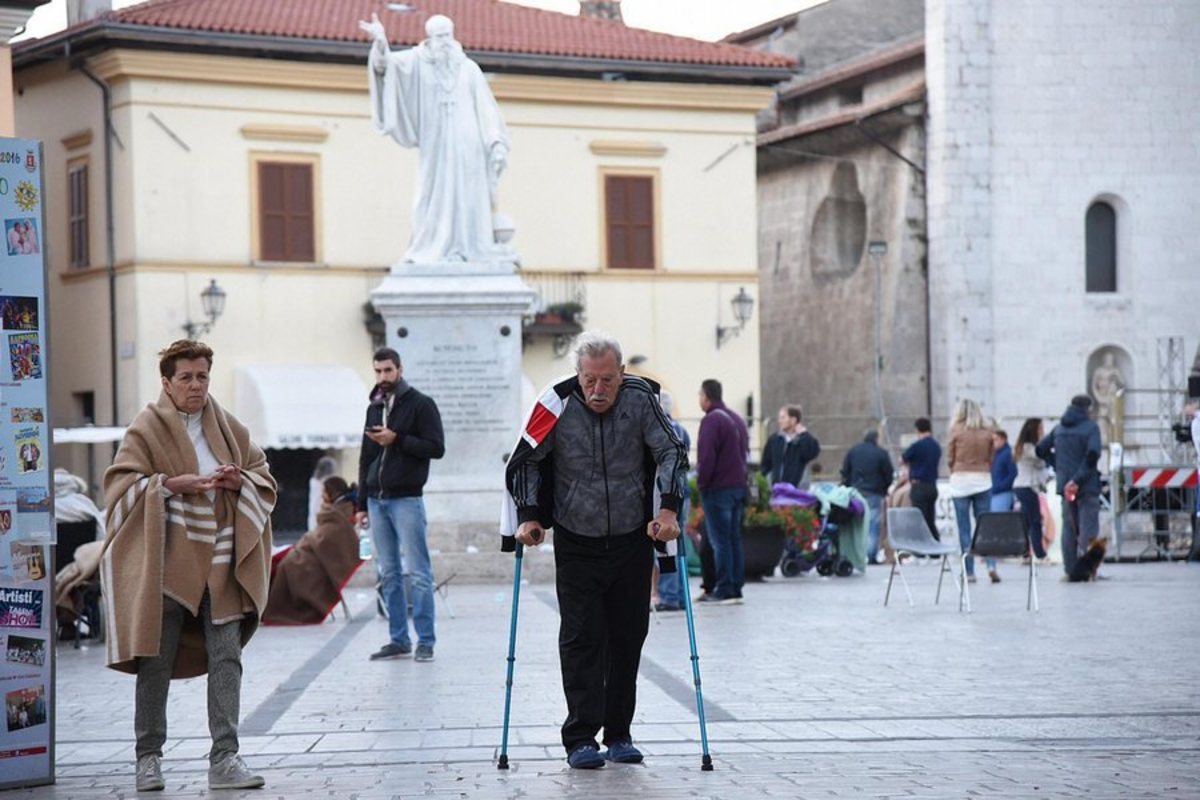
(379, 42)
(432, 97)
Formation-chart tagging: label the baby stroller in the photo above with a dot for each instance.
(800, 554)
(824, 556)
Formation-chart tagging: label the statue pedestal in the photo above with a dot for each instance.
(457, 328)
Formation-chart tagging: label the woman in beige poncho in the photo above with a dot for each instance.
(185, 560)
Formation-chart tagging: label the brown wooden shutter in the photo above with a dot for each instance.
(629, 216)
(77, 215)
(286, 218)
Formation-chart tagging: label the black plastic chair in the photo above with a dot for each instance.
(908, 533)
(1001, 534)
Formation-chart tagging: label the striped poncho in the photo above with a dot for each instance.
(181, 545)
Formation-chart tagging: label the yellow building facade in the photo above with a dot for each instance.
(190, 130)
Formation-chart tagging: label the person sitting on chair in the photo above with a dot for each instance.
(308, 580)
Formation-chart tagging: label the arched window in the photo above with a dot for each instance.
(1101, 244)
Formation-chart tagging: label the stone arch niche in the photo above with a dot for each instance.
(839, 229)
(1109, 368)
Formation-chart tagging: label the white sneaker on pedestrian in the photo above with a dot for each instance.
(148, 776)
(232, 773)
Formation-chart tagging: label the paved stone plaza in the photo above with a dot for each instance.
(813, 690)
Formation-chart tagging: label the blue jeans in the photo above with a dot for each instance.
(979, 502)
(398, 529)
(1031, 512)
(875, 505)
(670, 587)
(723, 509)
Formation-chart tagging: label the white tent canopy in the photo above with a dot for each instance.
(87, 435)
(290, 406)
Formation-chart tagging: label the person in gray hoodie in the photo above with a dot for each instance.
(1073, 449)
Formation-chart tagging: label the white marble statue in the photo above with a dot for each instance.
(434, 98)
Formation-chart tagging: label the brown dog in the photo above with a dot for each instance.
(1086, 566)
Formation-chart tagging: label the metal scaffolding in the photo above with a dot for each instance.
(1172, 383)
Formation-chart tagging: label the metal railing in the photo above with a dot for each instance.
(557, 289)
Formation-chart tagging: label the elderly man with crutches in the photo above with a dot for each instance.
(599, 462)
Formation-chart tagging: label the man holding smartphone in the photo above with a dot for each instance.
(403, 433)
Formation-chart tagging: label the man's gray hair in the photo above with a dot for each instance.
(594, 344)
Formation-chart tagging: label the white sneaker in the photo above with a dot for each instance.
(232, 773)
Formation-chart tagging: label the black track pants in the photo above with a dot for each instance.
(604, 599)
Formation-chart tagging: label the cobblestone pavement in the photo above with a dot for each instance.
(813, 690)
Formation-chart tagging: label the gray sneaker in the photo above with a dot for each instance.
(149, 774)
(232, 773)
(392, 650)
(424, 653)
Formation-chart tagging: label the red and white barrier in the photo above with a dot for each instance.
(1164, 478)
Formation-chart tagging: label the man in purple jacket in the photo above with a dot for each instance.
(721, 475)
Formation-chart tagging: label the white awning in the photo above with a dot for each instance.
(89, 434)
(292, 406)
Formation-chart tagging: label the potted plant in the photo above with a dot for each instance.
(564, 311)
(801, 526)
(766, 529)
(763, 537)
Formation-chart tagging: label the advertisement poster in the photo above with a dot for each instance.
(26, 518)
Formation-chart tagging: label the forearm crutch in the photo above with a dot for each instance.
(502, 763)
(706, 764)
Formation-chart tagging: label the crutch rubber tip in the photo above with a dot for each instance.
(503, 763)
(706, 764)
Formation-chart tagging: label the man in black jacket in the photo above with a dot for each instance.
(868, 468)
(1073, 449)
(787, 453)
(403, 432)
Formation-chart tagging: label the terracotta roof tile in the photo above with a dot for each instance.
(481, 25)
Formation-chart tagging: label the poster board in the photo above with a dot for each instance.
(26, 496)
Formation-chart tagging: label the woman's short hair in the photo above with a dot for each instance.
(185, 349)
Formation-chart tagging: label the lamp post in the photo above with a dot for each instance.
(877, 250)
(212, 300)
(743, 307)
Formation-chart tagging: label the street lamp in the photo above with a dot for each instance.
(212, 300)
(743, 307)
(877, 250)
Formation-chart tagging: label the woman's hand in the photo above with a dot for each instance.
(189, 484)
(227, 477)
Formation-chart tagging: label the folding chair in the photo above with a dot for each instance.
(908, 533)
(441, 589)
(1001, 534)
